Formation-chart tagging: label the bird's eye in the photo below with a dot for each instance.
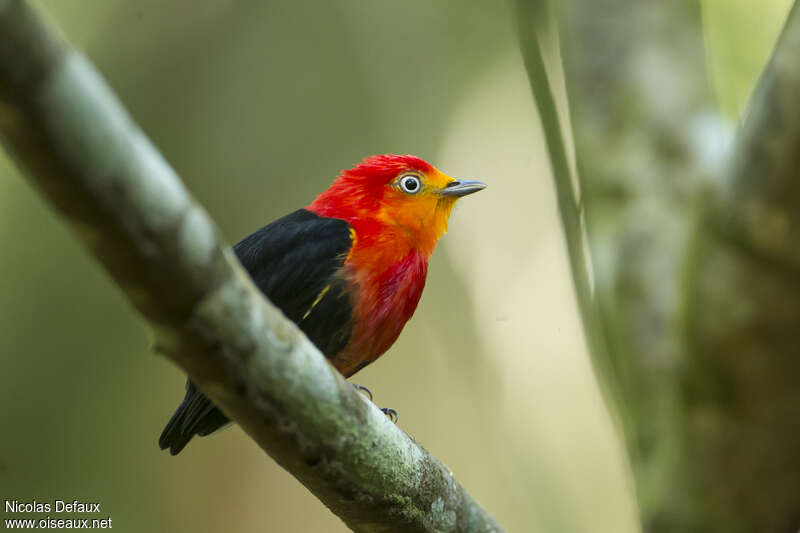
(410, 184)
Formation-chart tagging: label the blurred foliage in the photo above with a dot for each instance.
(651, 148)
(257, 105)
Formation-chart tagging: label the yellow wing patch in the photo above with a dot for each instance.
(321, 294)
(353, 241)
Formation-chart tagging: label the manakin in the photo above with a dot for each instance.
(348, 269)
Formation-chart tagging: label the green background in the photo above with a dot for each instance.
(258, 105)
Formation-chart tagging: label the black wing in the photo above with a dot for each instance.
(294, 261)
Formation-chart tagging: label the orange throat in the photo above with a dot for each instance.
(394, 232)
(388, 267)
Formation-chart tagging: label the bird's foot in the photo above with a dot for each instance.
(391, 414)
(388, 411)
(363, 390)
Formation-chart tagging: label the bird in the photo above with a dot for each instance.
(348, 269)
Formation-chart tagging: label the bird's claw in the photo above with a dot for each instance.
(388, 411)
(391, 414)
(363, 390)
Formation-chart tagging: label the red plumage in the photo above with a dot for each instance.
(358, 191)
(387, 264)
(349, 269)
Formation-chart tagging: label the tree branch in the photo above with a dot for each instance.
(697, 266)
(762, 193)
(742, 421)
(75, 142)
(639, 168)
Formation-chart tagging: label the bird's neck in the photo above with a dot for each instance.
(388, 263)
(392, 240)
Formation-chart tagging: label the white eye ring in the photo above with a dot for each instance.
(410, 184)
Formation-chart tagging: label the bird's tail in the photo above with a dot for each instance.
(196, 415)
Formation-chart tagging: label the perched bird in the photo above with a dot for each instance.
(349, 269)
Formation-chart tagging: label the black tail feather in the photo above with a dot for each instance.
(196, 415)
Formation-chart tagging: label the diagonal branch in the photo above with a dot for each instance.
(75, 142)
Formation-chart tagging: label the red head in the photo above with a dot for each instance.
(397, 207)
(400, 196)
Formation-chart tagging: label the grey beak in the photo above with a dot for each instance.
(462, 188)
